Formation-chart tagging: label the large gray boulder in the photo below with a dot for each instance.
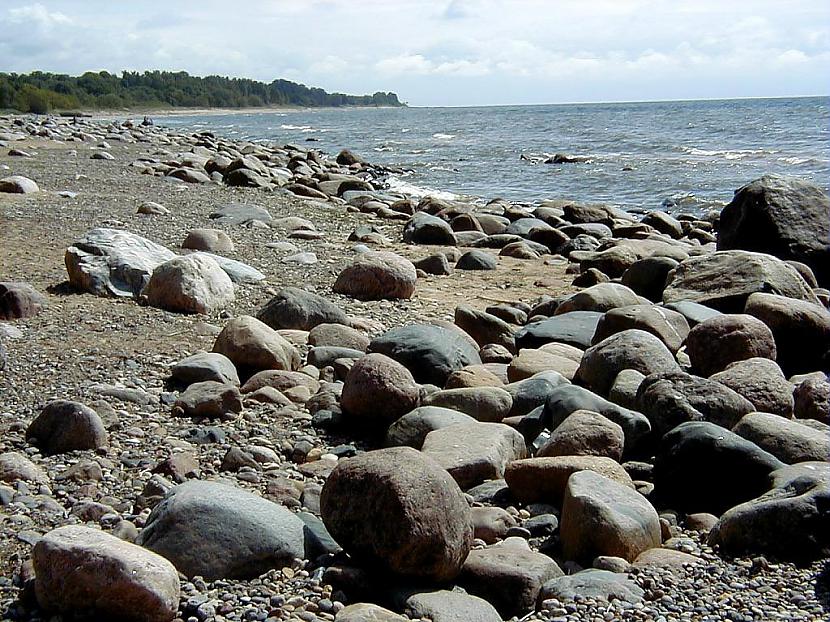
(423, 228)
(411, 429)
(295, 308)
(110, 262)
(431, 352)
(411, 519)
(725, 279)
(790, 441)
(190, 284)
(668, 326)
(79, 570)
(629, 349)
(760, 381)
(599, 585)
(783, 216)
(204, 366)
(221, 532)
(599, 298)
(603, 517)
(788, 522)
(702, 467)
(576, 328)
(669, 399)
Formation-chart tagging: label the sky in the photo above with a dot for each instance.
(444, 52)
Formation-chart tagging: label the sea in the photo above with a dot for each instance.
(679, 156)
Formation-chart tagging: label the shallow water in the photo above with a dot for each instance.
(682, 156)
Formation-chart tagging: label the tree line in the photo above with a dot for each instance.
(41, 92)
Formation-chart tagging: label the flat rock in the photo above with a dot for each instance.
(240, 214)
(474, 452)
(599, 585)
(222, 532)
(576, 328)
(110, 262)
(412, 428)
(788, 440)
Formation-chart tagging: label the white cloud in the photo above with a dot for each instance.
(38, 14)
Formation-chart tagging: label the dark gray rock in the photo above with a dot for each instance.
(725, 279)
(783, 216)
(576, 328)
(599, 585)
(812, 399)
(64, 426)
(423, 228)
(702, 467)
(694, 312)
(431, 352)
(298, 309)
(221, 532)
(476, 260)
(484, 327)
(669, 399)
(412, 428)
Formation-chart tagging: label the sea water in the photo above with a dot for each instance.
(682, 156)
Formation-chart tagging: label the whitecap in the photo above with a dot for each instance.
(288, 126)
(399, 185)
(441, 136)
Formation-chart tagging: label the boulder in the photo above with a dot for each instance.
(760, 381)
(702, 467)
(668, 326)
(694, 312)
(213, 240)
(725, 279)
(79, 570)
(568, 399)
(367, 612)
(17, 184)
(295, 308)
(789, 441)
(484, 375)
(437, 264)
(413, 519)
(15, 467)
(603, 517)
(377, 391)
(204, 366)
(431, 352)
(411, 429)
(474, 452)
(64, 426)
(612, 262)
(191, 284)
(599, 298)
(449, 606)
(491, 524)
(782, 216)
(663, 223)
(236, 214)
(812, 399)
(423, 228)
(543, 480)
(530, 362)
(491, 404)
(647, 277)
(585, 433)
(789, 522)
(598, 585)
(508, 575)
(484, 327)
(253, 346)
(209, 399)
(338, 335)
(714, 344)
(236, 270)
(218, 531)
(801, 330)
(281, 380)
(476, 260)
(576, 328)
(669, 399)
(376, 276)
(629, 349)
(109, 262)
(624, 390)
(19, 301)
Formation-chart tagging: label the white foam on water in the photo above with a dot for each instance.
(441, 136)
(303, 128)
(399, 185)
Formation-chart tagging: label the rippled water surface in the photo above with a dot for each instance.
(679, 155)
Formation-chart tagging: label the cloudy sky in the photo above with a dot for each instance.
(444, 52)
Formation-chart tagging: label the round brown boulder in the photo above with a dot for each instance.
(378, 275)
(213, 240)
(396, 510)
(585, 433)
(64, 426)
(253, 346)
(378, 390)
(715, 343)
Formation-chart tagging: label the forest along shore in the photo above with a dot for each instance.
(248, 382)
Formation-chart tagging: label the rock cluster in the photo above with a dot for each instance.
(586, 455)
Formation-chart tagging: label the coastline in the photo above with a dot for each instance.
(117, 354)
